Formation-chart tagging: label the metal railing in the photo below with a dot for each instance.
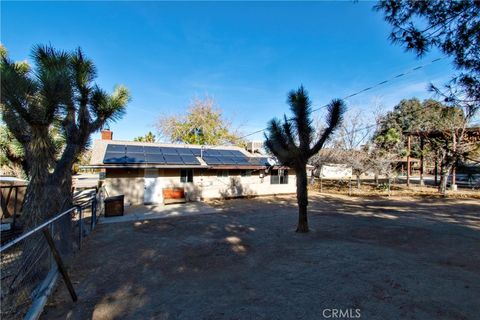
(31, 263)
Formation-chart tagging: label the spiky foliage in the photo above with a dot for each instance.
(60, 94)
(291, 141)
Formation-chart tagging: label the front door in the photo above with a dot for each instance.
(153, 188)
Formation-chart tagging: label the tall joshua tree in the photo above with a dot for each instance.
(58, 93)
(292, 142)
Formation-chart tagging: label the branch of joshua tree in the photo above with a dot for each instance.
(336, 109)
(59, 94)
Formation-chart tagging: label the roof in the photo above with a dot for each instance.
(132, 154)
(473, 132)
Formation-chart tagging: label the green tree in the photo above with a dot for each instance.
(293, 144)
(149, 137)
(58, 93)
(203, 124)
(450, 26)
(11, 152)
(428, 116)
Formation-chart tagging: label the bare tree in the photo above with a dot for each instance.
(353, 139)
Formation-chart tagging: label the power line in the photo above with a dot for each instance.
(400, 75)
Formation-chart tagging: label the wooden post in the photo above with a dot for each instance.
(60, 265)
(321, 185)
(454, 173)
(389, 186)
(80, 228)
(421, 161)
(15, 208)
(408, 160)
(436, 168)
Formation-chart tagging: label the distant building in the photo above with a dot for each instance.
(148, 172)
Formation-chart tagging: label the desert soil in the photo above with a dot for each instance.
(391, 258)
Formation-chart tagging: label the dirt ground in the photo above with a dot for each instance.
(404, 258)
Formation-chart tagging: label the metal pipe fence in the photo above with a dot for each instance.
(32, 262)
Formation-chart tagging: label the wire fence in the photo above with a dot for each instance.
(31, 263)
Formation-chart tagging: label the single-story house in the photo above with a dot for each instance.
(143, 172)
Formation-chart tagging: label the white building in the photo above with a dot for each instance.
(155, 173)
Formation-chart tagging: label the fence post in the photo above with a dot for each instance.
(61, 266)
(80, 227)
(93, 220)
(15, 208)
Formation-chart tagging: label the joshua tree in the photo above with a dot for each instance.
(292, 142)
(58, 93)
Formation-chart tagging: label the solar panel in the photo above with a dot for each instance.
(212, 160)
(242, 160)
(227, 160)
(224, 153)
(115, 148)
(184, 151)
(153, 150)
(119, 153)
(169, 151)
(136, 149)
(173, 159)
(154, 158)
(211, 153)
(114, 157)
(189, 159)
(195, 151)
(135, 157)
(237, 153)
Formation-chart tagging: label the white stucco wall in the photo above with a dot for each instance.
(206, 185)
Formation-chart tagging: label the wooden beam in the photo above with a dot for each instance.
(60, 265)
(422, 147)
(408, 159)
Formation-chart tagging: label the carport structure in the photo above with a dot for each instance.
(469, 135)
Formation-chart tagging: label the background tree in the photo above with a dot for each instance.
(428, 116)
(149, 137)
(203, 124)
(292, 142)
(453, 27)
(450, 26)
(12, 159)
(384, 152)
(353, 138)
(12, 154)
(58, 93)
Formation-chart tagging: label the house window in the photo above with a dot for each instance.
(246, 173)
(222, 173)
(279, 177)
(186, 175)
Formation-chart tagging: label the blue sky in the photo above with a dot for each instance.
(247, 55)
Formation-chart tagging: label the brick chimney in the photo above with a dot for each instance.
(107, 134)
